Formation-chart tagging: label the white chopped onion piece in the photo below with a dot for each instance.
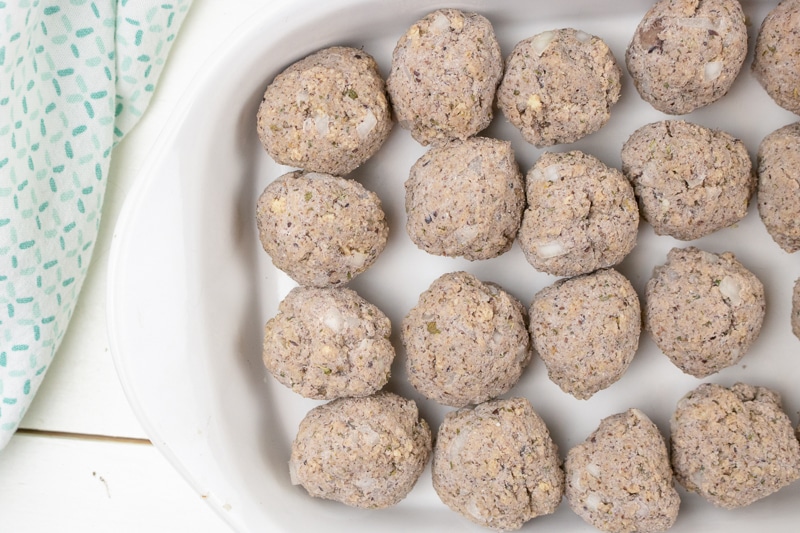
(440, 23)
(293, 473)
(333, 319)
(541, 42)
(308, 125)
(593, 501)
(712, 70)
(701, 23)
(582, 36)
(731, 289)
(695, 181)
(366, 126)
(548, 250)
(593, 470)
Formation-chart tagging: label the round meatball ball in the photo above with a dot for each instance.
(620, 479)
(364, 452)
(465, 199)
(445, 71)
(328, 343)
(581, 215)
(733, 446)
(559, 86)
(689, 180)
(466, 341)
(326, 113)
(703, 310)
(321, 230)
(776, 64)
(686, 54)
(586, 330)
(779, 185)
(496, 464)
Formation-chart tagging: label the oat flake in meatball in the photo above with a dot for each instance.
(496, 464)
(686, 54)
(326, 113)
(776, 64)
(465, 198)
(779, 185)
(559, 86)
(364, 452)
(689, 180)
(581, 215)
(703, 310)
(321, 230)
(733, 446)
(586, 330)
(620, 479)
(445, 71)
(466, 341)
(328, 343)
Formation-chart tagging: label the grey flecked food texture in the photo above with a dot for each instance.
(795, 319)
(328, 343)
(586, 330)
(559, 86)
(689, 180)
(496, 464)
(733, 446)
(444, 75)
(326, 113)
(466, 341)
(686, 54)
(779, 185)
(581, 215)
(364, 452)
(465, 198)
(620, 479)
(776, 64)
(703, 310)
(321, 230)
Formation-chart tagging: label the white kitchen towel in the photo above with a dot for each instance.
(75, 77)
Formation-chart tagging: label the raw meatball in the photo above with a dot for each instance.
(620, 479)
(733, 446)
(690, 181)
(776, 64)
(795, 321)
(326, 113)
(586, 330)
(364, 452)
(321, 230)
(581, 215)
(779, 185)
(445, 71)
(466, 341)
(559, 86)
(328, 343)
(497, 465)
(465, 199)
(686, 54)
(703, 310)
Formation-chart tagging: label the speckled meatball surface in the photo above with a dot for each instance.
(776, 64)
(689, 180)
(685, 54)
(466, 341)
(795, 319)
(328, 343)
(703, 310)
(321, 230)
(586, 330)
(364, 452)
(326, 113)
(581, 215)
(559, 86)
(733, 446)
(445, 71)
(465, 199)
(779, 185)
(620, 479)
(496, 464)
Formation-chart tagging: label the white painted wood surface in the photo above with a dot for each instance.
(82, 461)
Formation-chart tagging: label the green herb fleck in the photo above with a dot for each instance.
(352, 94)
(308, 196)
(432, 329)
